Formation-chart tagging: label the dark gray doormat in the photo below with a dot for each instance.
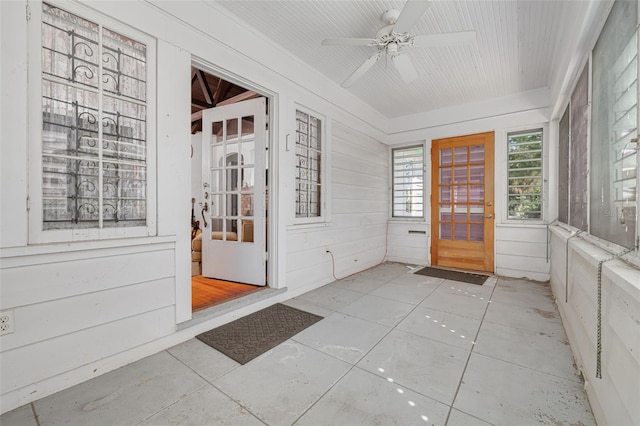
(248, 337)
(465, 277)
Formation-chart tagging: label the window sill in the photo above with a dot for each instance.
(81, 246)
(305, 226)
(592, 247)
(521, 224)
(416, 221)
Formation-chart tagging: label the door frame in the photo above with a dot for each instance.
(272, 226)
(489, 195)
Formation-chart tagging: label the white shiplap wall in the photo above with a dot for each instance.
(614, 398)
(355, 232)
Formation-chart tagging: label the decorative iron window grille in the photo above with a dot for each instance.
(308, 165)
(94, 107)
(524, 165)
(408, 182)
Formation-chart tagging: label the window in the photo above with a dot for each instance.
(95, 134)
(573, 154)
(578, 154)
(408, 182)
(614, 127)
(563, 167)
(309, 165)
(524, 164)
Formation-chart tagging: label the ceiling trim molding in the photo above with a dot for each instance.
(523, 101)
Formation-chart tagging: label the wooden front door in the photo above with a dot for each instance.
(462, 202)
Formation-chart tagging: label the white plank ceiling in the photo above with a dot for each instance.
(519, 43)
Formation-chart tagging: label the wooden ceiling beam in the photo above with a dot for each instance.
(206, 90)
(216, 95)
(199, 104)
(238, 98)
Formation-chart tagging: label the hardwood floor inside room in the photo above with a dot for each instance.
(207, 292)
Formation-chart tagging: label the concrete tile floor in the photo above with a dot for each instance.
(394, 348)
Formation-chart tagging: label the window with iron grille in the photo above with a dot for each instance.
(408, 182)
(524, 165)
(309, 163)
(94, 125)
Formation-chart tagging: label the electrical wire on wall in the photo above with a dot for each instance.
(333, 260)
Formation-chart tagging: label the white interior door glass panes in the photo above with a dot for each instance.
(234, 171)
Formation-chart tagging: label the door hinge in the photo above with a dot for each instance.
(28, 13)
(266, 256)
(28, 203)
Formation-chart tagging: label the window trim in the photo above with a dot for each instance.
(325, 167)
(425, 175)
(544, 173)
(37, 235)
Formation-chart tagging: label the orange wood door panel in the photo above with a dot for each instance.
(462, 211)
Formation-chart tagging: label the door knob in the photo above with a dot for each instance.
(489, 216)
(489, 203)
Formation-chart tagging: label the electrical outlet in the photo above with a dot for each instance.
(6, 322)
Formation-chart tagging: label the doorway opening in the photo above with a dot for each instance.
(229, 185)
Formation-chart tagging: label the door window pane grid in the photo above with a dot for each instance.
(408, 182)
(462, 191)
(94, 125)
(232, 177)
(524, 176)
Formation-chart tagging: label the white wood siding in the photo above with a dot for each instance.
(406, 243)
(521, 251)
(614, 398)
(359, 203)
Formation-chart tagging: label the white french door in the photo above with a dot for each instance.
(233, 176)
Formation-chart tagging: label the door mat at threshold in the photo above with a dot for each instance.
(465, 277)
(249, 337)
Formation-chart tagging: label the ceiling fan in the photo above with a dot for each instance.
(393, 40)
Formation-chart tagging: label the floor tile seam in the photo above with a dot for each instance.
(521, 328)
(529, 330)
(390, 329)
(473, 415)
(180, 398)
(435, 340)
(351, 367)
(213, 384)
(378, 297)
(401, 301)
(450, 313)
(408, 387)
(577, 381)
(466, 365)
(200, 375)
(240, 404)
(292, 338)
(368, 320)
(36, 418)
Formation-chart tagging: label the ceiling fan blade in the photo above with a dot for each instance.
(361, 70)
(410, 15)
(405, 67)
(348, 41)
(445, 39)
